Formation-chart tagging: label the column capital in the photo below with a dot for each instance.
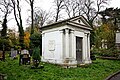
(43, 34)
(66, 30)
(61, 31)
(87, 34)
(71, 31)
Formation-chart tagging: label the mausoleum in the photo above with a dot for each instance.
(67, 42)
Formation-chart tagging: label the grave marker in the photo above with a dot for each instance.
(13, 53)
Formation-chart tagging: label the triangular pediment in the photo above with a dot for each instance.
(78, 21)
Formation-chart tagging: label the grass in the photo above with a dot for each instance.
(98, 70)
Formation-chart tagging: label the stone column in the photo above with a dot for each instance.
(62, 44)
(43, 45)
(87, 49)
(88, 44)
(72, 43)
(67, 43)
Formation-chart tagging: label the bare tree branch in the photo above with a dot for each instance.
(71, 7)
(18, 18)
(59, 6)
(15, 14)
(41, 16)
(31, 3)
(90, 10)
(6, 9)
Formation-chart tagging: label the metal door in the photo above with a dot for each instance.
(79, 49)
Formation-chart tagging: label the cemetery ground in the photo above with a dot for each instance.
(98, 70)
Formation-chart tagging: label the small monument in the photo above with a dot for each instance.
(118, 39)
(13, 53)
(24, 57)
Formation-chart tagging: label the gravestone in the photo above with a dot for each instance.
(13, 53)
(24, 51)
(24, 57)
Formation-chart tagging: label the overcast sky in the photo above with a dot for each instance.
(46, 5)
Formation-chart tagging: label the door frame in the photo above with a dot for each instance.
(76, 49)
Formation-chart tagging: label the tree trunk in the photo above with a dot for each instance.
(32, 24)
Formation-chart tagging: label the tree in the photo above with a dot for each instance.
(36, 39)
(13, 37)
(7, 45)
(41, 17)
(111, 15)
(5, 7)
(18, 18)
(59, 4)
(71, 7)
(27, 39)
(105, 35)
(31, 3)
(91, 9)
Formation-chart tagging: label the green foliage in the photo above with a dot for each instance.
(92, 38)
(5, 44)
(27, 39)
(105, 35)
(36, 53)
(13, 38)
(106, 52)
(36, 39)
(98, 70)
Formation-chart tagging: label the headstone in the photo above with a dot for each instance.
(13, 53)
(24, 57)
(24, 51)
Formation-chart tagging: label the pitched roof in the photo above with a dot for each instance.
(70, 21)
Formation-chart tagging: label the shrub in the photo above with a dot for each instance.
(112, 52)
(36, 53)
(35, 39)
